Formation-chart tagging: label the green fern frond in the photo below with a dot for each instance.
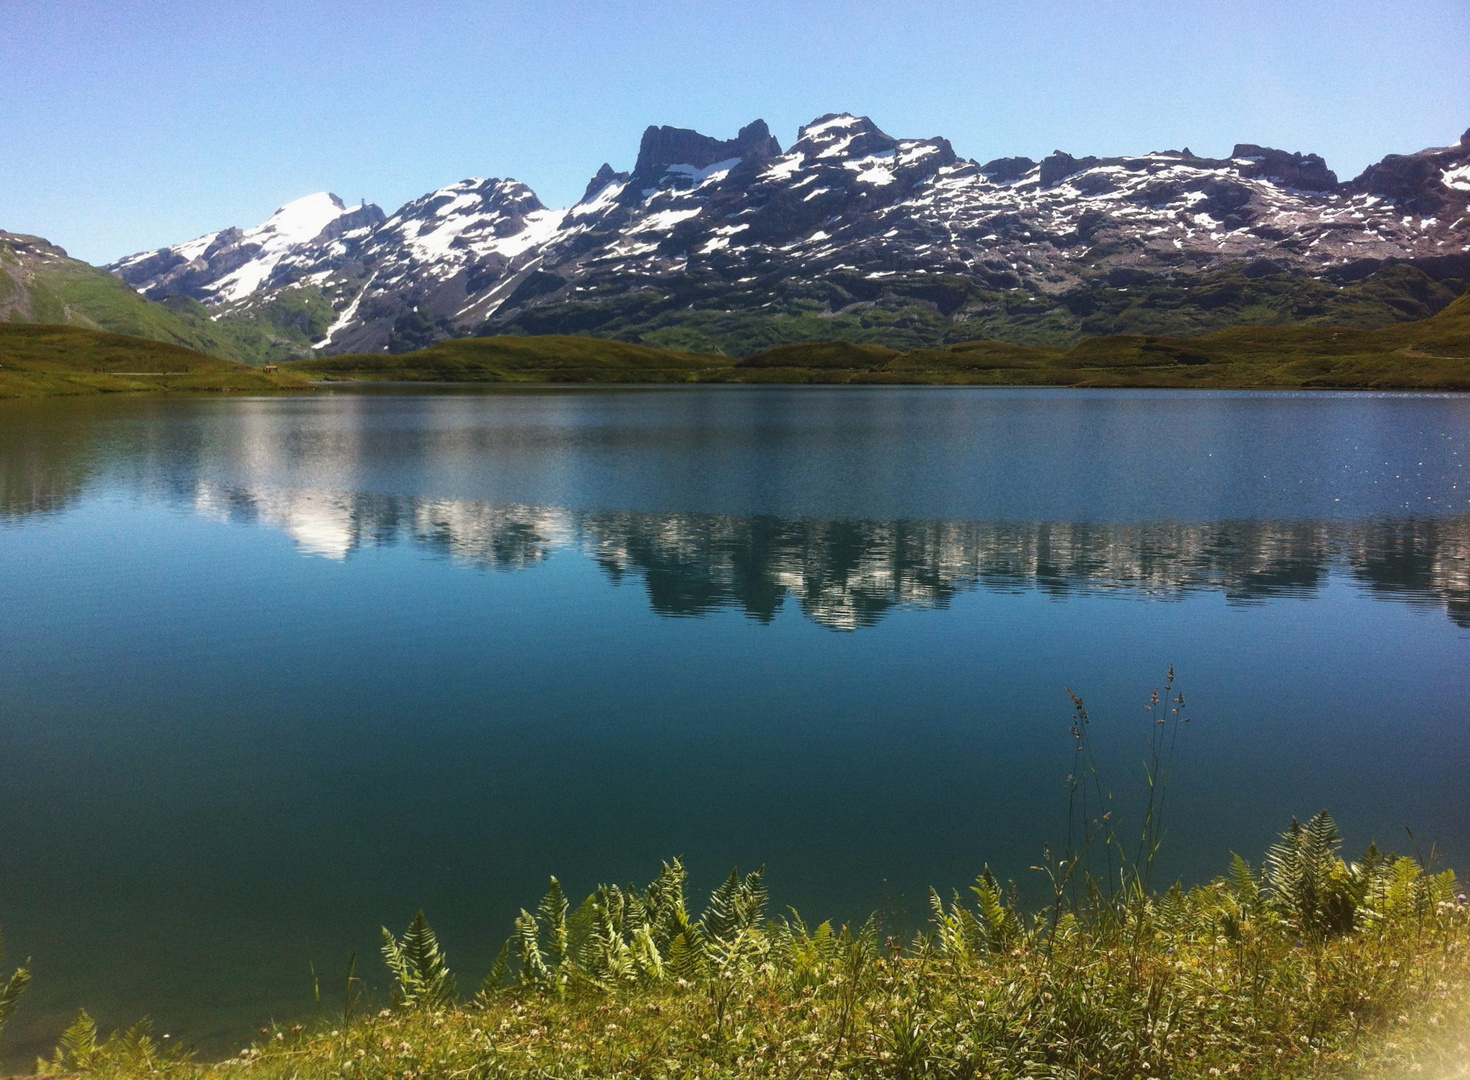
(645, 955)
(77, 1049)
(682, 961)
(738, 904)
(1243, 880)
(394, 958)
(721, 916)
(553, 913)
(997, 922)
(420, 970)
(495, 978)
(10, 994)
(528, 950)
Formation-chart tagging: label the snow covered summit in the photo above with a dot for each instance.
(848, 220)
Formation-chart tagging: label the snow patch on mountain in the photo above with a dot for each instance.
(701, 213)
(293, 225)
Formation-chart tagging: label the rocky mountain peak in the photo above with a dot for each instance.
(1007, 170)
(1058, 165)
(25, 244)
(848, 219)
(601, 179)
(1305, 172)
(842, 135)
(663, 147)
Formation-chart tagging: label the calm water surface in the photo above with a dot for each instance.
(276, 671)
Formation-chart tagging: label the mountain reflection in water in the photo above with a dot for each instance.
(847, 574)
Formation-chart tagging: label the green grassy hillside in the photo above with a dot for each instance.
(936, 310)
(41, 361)
(1431, 353)
(41, 284)
(548, 358)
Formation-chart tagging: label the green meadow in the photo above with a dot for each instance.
(1428, 354)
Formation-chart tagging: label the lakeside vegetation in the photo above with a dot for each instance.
(47, 361)
(1430, 354)
(1306, 965)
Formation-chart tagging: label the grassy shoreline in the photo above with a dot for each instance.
(57, 361)
(1431, 354)
(1305, 966)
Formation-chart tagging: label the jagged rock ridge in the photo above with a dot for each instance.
(742, 226)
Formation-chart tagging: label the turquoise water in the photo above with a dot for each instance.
(276, 671)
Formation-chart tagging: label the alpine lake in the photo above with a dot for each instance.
(276, 671)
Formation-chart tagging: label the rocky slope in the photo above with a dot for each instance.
(737, 244)
(40, 283)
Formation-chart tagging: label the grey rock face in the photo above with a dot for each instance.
(731, 222)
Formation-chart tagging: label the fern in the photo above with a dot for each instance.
(682, 959)
(77, 1049)
(1309, 885)
(553, 912)
(738, 904)
(133, 1052)
(15, 986)
(10, 994)
(420, 970)
(721, 916)
(607, 956)
(998, 923)
(495, 978)
(528, 950)
(644, 952)
(1243, 880)
(664, 904)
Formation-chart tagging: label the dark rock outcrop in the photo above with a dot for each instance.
(1057, 166)
(1305, 172)
(849, 217)
(1007, 170)
(665, 146)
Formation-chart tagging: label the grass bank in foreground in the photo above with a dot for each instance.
(1304, 966)
(1431, 354)
(1308, 966)
(47, 361)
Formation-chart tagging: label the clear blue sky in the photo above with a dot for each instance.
(126, 125)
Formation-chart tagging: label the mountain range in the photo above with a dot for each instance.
(849, 233)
